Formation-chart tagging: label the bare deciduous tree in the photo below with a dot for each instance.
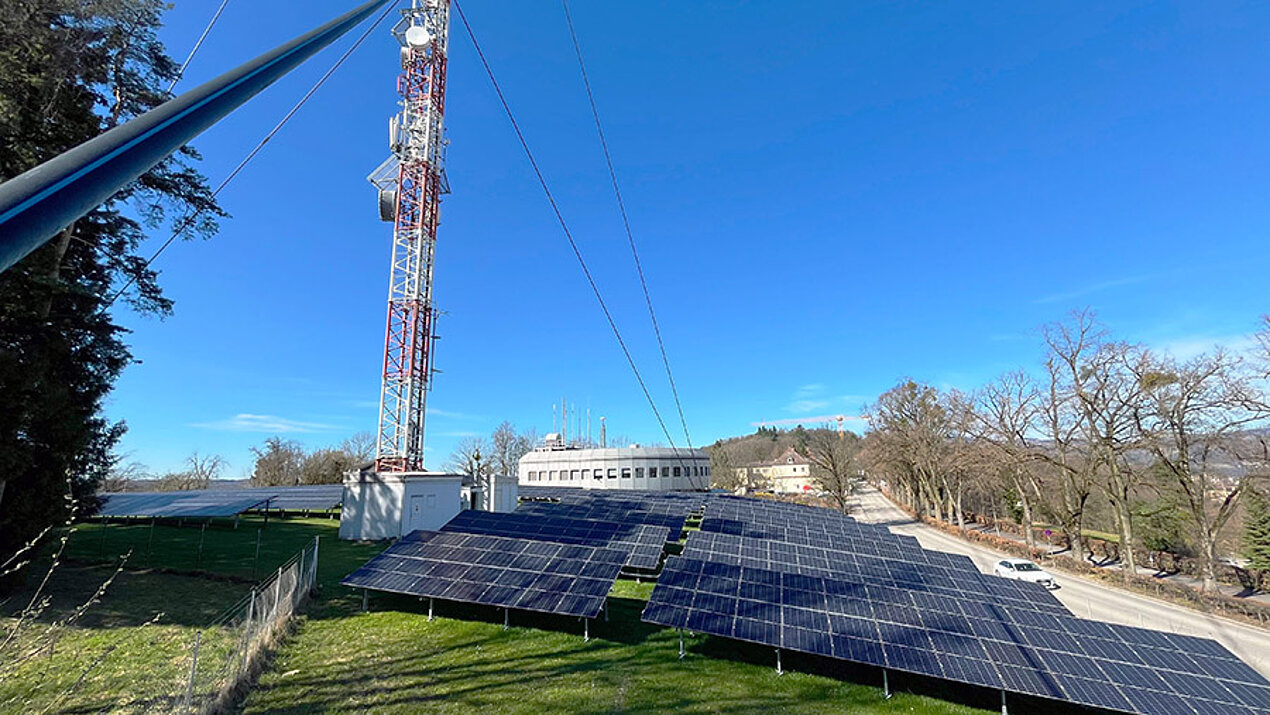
(507, 446)
(1191, 423)
(470, 457)
(1009, 411)
(834, 463)
(278, 463)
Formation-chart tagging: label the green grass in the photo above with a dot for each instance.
(227, 550)
(144, 667)
(392, 659)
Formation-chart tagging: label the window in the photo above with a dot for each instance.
(626, 472)
(677, 472)
(533, 476)
(612, 473)
(707, 468)
(639, 472)
(586, 473)
(652, 472)
(553, 475)
(573, 475)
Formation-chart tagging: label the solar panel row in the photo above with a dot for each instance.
(207, 503)
(566, 579)
(600, 510)
(185, 505)
(643, 543)
(928, 572)
(964, 640)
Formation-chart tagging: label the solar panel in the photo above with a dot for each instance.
(221, 502)
(626, 512)
(959, 639)
(305, 497)
(642, 542)
(566, 579)
(185, 504)
(930, 574)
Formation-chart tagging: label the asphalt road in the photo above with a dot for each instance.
(1084, 598)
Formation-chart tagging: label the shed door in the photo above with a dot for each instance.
(421, 505)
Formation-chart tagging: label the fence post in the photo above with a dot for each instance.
(189, 688)
(198, 561)
(256, 562)
(251, 612)
(317, 540)
(296, 590)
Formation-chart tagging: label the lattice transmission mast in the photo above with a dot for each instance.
(410, 185)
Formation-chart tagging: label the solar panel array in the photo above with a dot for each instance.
(306, 497)
(183, 505)
(863, 595)
(647, 511)
(206, 503)
(875, 562)
(642, 543)
(565, 579)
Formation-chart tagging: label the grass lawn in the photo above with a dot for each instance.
(392, 659)
(128, 665)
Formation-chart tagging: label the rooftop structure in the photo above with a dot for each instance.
(635, 467)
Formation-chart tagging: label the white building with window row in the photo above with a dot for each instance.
(651, 468)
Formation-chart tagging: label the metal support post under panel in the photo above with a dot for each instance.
(681, 643)
(886, 685)
(365, 598)
(779, 671)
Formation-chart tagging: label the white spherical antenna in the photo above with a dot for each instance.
(417, 36)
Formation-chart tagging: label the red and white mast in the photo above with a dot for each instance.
(410, 185)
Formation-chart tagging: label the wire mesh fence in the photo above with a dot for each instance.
(225, 656)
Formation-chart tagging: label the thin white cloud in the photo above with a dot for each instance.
(1186, 348)
(271, 424)
(806, 406)
(434, 412)
(811, 390)
(1092, 288)
(460, 433)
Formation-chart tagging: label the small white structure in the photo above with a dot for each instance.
(386, 506)
(650, 468)
(506, 494)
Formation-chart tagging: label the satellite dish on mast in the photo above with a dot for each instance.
(418, 36)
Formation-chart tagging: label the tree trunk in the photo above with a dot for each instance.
(1028, 537)
(61, 244)
(1127, 562)
(961, 513)
(1208, 554)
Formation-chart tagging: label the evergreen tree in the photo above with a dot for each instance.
(1257, 531)
(70, 69)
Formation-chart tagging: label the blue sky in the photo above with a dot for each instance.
(828, 197)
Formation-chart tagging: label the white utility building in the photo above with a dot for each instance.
(645, 468)
(379, 505)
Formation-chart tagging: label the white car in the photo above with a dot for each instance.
(1024, 570)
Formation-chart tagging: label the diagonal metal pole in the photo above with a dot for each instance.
(40, 203)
